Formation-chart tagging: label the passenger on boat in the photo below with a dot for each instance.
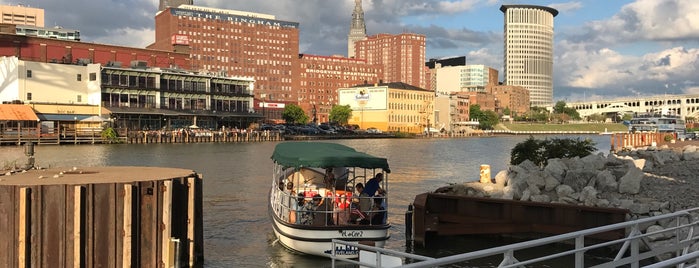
(342, 210)
(294, 213)
(378, 212)
(329, 178)
(323, 208)
(306, 211)
(362, 199)
(373, 185)
(357, 216)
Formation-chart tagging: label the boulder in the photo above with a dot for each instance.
(593, 162)
(577, 179)
(631, 182)
(606, 182)
(556, 168)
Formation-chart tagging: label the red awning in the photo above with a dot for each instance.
(17, 112)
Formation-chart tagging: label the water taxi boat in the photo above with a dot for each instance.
(313, 198)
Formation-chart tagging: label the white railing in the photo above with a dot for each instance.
(630, 252)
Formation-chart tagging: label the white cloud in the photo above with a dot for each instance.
(567, 7)
(654, 20)
(139, 38)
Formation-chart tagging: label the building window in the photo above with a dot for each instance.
(29, 73)
(80, 98)
(29, 96)
(80, 77)
(93, 76)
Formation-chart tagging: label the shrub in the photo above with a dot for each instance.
(669, 137)
(110, 135)
(539, 151)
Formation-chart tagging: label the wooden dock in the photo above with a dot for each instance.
(101, 217)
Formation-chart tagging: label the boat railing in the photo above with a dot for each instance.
(338, 212)
(635, 249)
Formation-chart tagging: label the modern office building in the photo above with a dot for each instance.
(22, 15)
(464, 78)
(389, 106)
(402, 56)
(529, 50)
(164, 4)
(357, 28)
(321, 76)
(235, 43)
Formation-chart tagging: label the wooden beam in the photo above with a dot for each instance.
(77, 220)
(24, 219)
(191, 193)
(127, 231)
(166, 230)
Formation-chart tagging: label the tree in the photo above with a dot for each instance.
(506, 111)
(560, 108)
(486, 119)
(340, 114)
(539, 151)
(597, 118)
(294, 114)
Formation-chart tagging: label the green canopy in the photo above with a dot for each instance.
(324, 155)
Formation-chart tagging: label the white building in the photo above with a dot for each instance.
(465, 78)
(529, 50)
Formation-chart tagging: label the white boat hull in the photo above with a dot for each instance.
(318, 240)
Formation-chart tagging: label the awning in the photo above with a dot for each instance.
(63, 117)
(17, 112)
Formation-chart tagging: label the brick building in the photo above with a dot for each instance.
(514, 98)
(236, 43)
(321, 76)
(402, 56)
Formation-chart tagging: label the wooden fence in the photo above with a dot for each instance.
(619, 141)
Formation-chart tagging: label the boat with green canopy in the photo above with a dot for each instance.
(314, 197)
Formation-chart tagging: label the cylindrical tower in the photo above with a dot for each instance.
(529, 50)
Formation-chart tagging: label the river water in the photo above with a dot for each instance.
(237, 229)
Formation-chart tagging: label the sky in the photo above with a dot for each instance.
(603, 49)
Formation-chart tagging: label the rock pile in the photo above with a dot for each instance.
(648, 182)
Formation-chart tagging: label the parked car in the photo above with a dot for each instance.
(373, 130)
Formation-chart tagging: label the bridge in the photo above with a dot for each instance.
(683, 105)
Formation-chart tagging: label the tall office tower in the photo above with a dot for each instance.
(164, 4)
(22, 15)
(235, 43)
(529, 50)
(402, 56)
(357, 28)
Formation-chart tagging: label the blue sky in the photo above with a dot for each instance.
(603, 48)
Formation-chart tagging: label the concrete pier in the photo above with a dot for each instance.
(101, 217)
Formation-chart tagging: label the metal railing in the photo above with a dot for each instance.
(633, 250)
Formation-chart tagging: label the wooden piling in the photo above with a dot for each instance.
(100, 217)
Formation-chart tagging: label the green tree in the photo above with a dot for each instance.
(539, 151)
(486, 119)
(294, 114)
(506, 111)
(627, 117)
(340, 114)
(596, 118)
(561, 108)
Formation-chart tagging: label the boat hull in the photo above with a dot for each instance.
(318, 240)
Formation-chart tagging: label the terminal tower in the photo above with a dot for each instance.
(357, 28)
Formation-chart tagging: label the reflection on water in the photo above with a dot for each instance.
(237, 231)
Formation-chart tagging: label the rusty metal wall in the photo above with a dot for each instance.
(83, 225)
(441, 215)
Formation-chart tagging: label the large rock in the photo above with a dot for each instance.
(577, 179)
(606, 182)
(501, 178)
(593, 162)
(631, 182)
(588, 196)
(690, 152)
(556, 168)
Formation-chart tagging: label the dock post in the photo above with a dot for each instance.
(409, 224)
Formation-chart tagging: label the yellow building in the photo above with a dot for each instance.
(390, 107)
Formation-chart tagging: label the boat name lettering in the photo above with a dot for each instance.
(352, 233)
